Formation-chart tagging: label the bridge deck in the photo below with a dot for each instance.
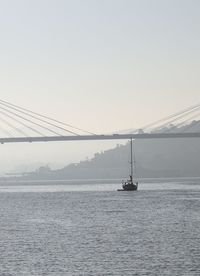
(99, 137)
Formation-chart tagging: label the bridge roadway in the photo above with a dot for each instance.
(99, 137)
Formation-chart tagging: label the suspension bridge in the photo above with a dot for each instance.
(19, 124)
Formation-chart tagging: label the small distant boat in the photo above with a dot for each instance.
(129, 184)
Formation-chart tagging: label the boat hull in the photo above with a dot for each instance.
(130, 186)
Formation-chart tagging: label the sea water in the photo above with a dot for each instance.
(57, 228)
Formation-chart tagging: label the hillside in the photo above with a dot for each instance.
(154, 158)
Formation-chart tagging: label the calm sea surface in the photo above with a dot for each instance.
(91, 229)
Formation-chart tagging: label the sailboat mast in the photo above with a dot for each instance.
(131, 158)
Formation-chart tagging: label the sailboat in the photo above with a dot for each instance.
(129, 184)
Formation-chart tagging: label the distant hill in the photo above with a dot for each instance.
(154, 158)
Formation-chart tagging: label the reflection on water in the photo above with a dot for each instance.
(61, 230)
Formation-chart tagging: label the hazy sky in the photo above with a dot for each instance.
(101, 65)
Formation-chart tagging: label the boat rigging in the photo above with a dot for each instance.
(130, 184)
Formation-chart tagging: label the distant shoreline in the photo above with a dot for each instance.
(4, 181)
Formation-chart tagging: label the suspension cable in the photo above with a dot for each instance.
(178, 118)
(20, 122)
(27, 111)
(41, 120)
(191, 125)
(193, 108)
(13, 127)
(30, 121)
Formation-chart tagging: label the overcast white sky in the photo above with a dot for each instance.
(101, 65)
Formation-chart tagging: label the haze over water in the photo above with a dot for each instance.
(92, 229)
